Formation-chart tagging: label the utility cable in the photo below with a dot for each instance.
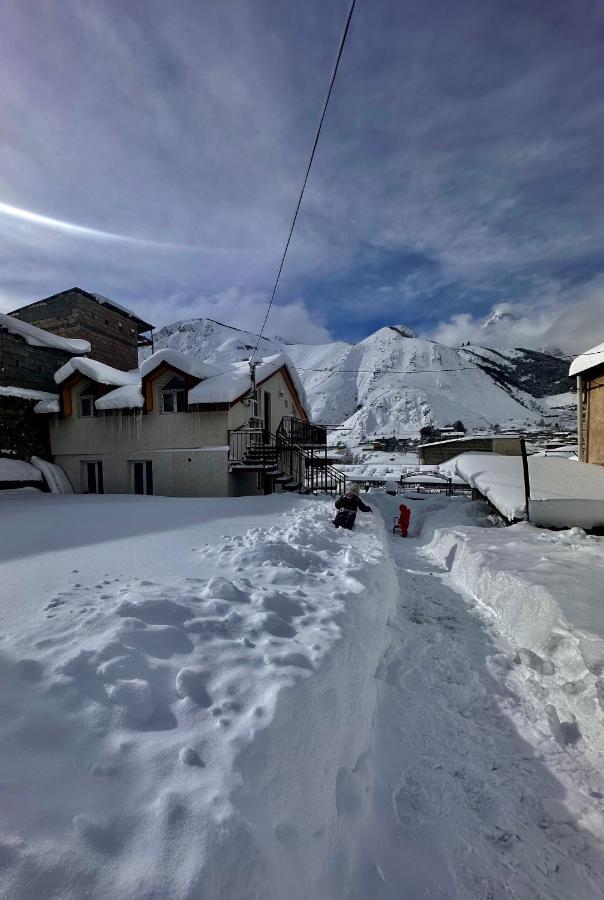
(310, 162)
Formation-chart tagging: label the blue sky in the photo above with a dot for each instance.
(460, 167)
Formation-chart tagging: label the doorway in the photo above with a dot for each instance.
(266, 407)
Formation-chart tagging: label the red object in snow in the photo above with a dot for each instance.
(401, 525)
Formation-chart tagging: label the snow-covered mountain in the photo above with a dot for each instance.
(393, 382)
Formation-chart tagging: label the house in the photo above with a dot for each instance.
(181, 427)
(589, 371)
(436, 452)
(114, 332)
(29, 357)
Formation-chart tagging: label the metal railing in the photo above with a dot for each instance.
(307, 467)
(296, 431)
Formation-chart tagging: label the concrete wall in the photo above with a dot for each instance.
(176, 473)
(113, 335)
(22, 365)
(281, 400)
(594, 431)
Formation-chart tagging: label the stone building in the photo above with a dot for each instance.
(115, 333)
(437, 452)
(29, 358)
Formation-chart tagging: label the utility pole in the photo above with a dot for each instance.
(527, 482)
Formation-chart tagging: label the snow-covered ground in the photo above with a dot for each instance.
(230, 699)
(182, 684)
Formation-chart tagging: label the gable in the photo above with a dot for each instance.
(284, 372)
(160, 371)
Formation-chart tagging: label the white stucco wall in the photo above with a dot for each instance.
(188, 450)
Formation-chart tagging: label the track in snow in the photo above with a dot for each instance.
(461, 806)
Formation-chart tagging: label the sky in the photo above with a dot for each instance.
(153, 152)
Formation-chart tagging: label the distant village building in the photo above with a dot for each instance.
(589, 372)
(114, 332)
(436, 452)
(181, 427)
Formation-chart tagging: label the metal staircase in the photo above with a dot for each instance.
(293, 459)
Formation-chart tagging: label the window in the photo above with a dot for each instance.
(86, 406)
(92, 472)
(174, 396)
(142, 476)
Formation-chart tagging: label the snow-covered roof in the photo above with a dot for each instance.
(18, 470)
(129, 396)
(572, 490)
(96, 371)
(228, 386)
(39, 337)
(588, 360)
(185, 362)
(48, 406)
(26, 393)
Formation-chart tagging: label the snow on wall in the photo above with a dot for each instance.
(55, 477)
(38, 337)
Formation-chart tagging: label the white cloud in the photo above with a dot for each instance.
(550, 315)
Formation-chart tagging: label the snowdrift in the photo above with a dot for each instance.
(543, 591)
(193, 735)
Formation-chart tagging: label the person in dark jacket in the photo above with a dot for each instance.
(347, 507)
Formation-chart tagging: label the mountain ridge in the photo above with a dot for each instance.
(393, 382)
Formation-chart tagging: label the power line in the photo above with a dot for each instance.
(387, 371)
(310, 162)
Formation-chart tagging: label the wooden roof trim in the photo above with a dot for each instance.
(152, 376)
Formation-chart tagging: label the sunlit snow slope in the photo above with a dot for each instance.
(392, 382)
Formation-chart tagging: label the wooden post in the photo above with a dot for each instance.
(527, 482)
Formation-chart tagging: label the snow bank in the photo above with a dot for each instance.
(18, 470)
(543, 591)
(192, 734)
(38, 337)
(55, 477)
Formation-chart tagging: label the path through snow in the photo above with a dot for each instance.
(461, 806)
